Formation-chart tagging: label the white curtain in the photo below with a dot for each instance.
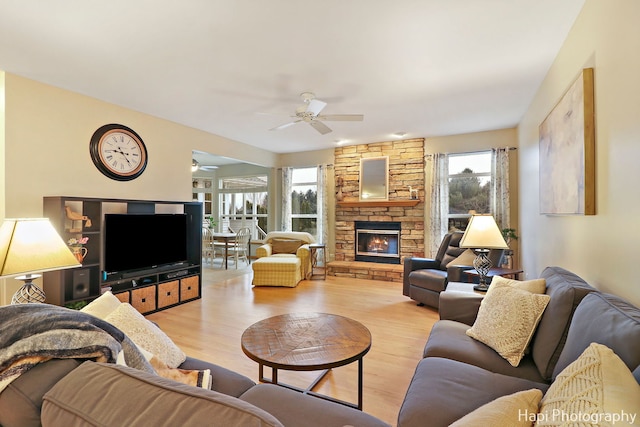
(323, 191)
(286, 199)
(500, 187)
(439, 201)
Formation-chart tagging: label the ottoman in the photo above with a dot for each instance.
(275, 270)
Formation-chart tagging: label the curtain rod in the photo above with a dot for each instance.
(329, 165)
(427, 156)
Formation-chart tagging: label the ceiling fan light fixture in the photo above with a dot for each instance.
(194, 165)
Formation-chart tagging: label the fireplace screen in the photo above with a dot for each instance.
(378, 243)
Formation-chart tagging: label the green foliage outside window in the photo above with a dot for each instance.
(304, 204)
(468, 193)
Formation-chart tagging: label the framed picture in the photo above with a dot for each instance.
(567, 152)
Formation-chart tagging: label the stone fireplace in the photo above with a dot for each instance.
(406, 169)
(378, 241)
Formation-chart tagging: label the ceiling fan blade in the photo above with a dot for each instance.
(320, 127)
(286, 125)
(341, 117)
(315, 106)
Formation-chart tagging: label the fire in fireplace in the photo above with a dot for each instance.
(377, 241)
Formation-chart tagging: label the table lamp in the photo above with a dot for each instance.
(481, 235)
(27, 246)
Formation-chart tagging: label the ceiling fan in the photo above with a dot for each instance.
(310, 113)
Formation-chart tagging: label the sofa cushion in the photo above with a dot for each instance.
(598, 383)
(292, 408)
(452, 251)
(21, 401)
(566, 290)
(507, 319)
(448, 339)
(285, 246)
(140, 398)
(433, 280)
(505, 411)
(443, 391)
(604, 319)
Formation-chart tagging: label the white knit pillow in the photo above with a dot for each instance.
(146, 335)
(102, 306)
(535, 286)
(597, 385)
(514, 410)
(507, 319)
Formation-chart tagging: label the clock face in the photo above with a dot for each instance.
(118, 152)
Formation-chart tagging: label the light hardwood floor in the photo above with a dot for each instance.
(210, 329)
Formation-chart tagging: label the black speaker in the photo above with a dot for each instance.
(81, 281)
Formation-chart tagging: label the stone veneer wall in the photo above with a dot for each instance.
(406, 168)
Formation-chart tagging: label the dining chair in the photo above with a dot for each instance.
(239, 249)
(208, 250)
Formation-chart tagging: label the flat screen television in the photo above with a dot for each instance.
(144, 241)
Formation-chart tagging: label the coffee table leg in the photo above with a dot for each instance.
(360, 384)
(263, 379)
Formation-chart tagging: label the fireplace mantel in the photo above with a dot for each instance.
(378, 203)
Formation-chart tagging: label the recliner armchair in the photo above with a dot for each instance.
(425, 278)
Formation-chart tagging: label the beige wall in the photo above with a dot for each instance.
(45, 143)
(47, 149)
(477, 141)
(5, 292)
(603, 248)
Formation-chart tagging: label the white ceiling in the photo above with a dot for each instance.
(236, 68)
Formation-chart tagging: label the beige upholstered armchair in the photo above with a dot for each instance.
(289, 245)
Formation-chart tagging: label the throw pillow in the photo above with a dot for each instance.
(593, 389)
(465, 258)
(507, 319)
(102, 306)
(514, 410)
(535, 286)
(285, 246)
(146, 335)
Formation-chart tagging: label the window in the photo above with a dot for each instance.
(469, 187)
(304, 200)
(244, 203)
(202, 192)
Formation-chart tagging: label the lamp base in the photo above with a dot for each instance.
(29, 292)
(482, 265)
(481, 287)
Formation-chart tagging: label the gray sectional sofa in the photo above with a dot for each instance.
(456, 376)
(75, 392)
(459, 374)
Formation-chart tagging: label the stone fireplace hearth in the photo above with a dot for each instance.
(406, 169)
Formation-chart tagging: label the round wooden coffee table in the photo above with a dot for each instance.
(307, 342)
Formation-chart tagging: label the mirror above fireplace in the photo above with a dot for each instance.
(374, 178)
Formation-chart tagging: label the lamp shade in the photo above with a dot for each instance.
(483, 233)
(32, 245)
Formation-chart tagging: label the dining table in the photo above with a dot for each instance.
(226, 238)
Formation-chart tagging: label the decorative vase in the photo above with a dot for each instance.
(339, 194)
(80, 252)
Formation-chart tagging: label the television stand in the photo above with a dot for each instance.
(147, 290)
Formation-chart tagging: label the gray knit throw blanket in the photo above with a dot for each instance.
(35, 333)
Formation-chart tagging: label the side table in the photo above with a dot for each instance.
(314, 248)
(514, 273)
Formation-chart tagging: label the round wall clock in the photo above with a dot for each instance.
(118, 152)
